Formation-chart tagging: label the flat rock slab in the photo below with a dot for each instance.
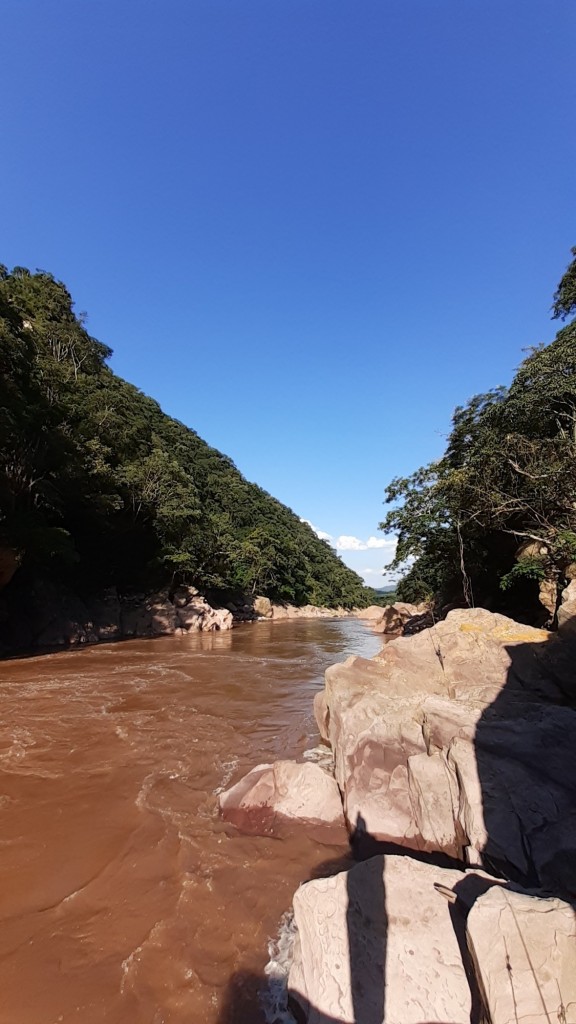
(524, 949)
(376, 945)
(273, 798)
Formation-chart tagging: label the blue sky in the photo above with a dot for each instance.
(309, 228)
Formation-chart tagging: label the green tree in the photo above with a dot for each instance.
(505, 485)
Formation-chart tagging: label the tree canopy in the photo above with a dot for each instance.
(99, 487)
(498, 509)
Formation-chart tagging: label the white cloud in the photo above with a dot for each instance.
(346, 543)
(381, 542)
(319, 533)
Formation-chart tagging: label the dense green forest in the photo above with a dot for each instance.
(99, 487)
(495, 517)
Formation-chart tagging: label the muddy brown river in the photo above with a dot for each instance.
(123, 898)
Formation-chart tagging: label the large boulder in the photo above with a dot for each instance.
(374, 612)
(376, 944)
(307, 611)
(148, 615)
(263, 607)
(196, 615)
(449, 741)
(524, 952)
(395, 617)
(517, 792)
(273, 797)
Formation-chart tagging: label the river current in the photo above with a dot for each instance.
(123, 898)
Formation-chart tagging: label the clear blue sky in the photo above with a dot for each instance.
(309, 228)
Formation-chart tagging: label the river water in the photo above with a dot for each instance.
(123, 898)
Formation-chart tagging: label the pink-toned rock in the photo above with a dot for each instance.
(197, 615)
(375, 612)
(374, 725)
(434, 795)
(376, 944)
(517, 792)
(307, 611)
(455, 691)
(281, 611)
(524, 951)
(273, 796)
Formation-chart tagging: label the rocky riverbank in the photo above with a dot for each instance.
(38, 614)
(455, 779)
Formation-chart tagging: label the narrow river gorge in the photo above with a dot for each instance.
(124, 898)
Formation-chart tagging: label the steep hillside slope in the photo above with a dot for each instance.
(98, 487)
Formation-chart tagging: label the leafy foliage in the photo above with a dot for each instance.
(506, 480)
(99, 486)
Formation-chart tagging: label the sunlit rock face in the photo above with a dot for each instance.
(274, 798)
(454, 741)
(377, 943)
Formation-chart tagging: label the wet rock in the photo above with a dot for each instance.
(377, 944)
(274, 795)
(524, 951)
(374, 725)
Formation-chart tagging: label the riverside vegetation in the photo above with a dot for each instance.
(101, 489)
(494, 519)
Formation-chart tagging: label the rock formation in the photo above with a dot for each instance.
(42, 615)
(524, 953)
(377, 943)
(272, 796)
(456, 742)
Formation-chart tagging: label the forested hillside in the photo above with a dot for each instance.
(98, 487)
(493, 522)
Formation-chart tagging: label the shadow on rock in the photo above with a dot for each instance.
(516, 778)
